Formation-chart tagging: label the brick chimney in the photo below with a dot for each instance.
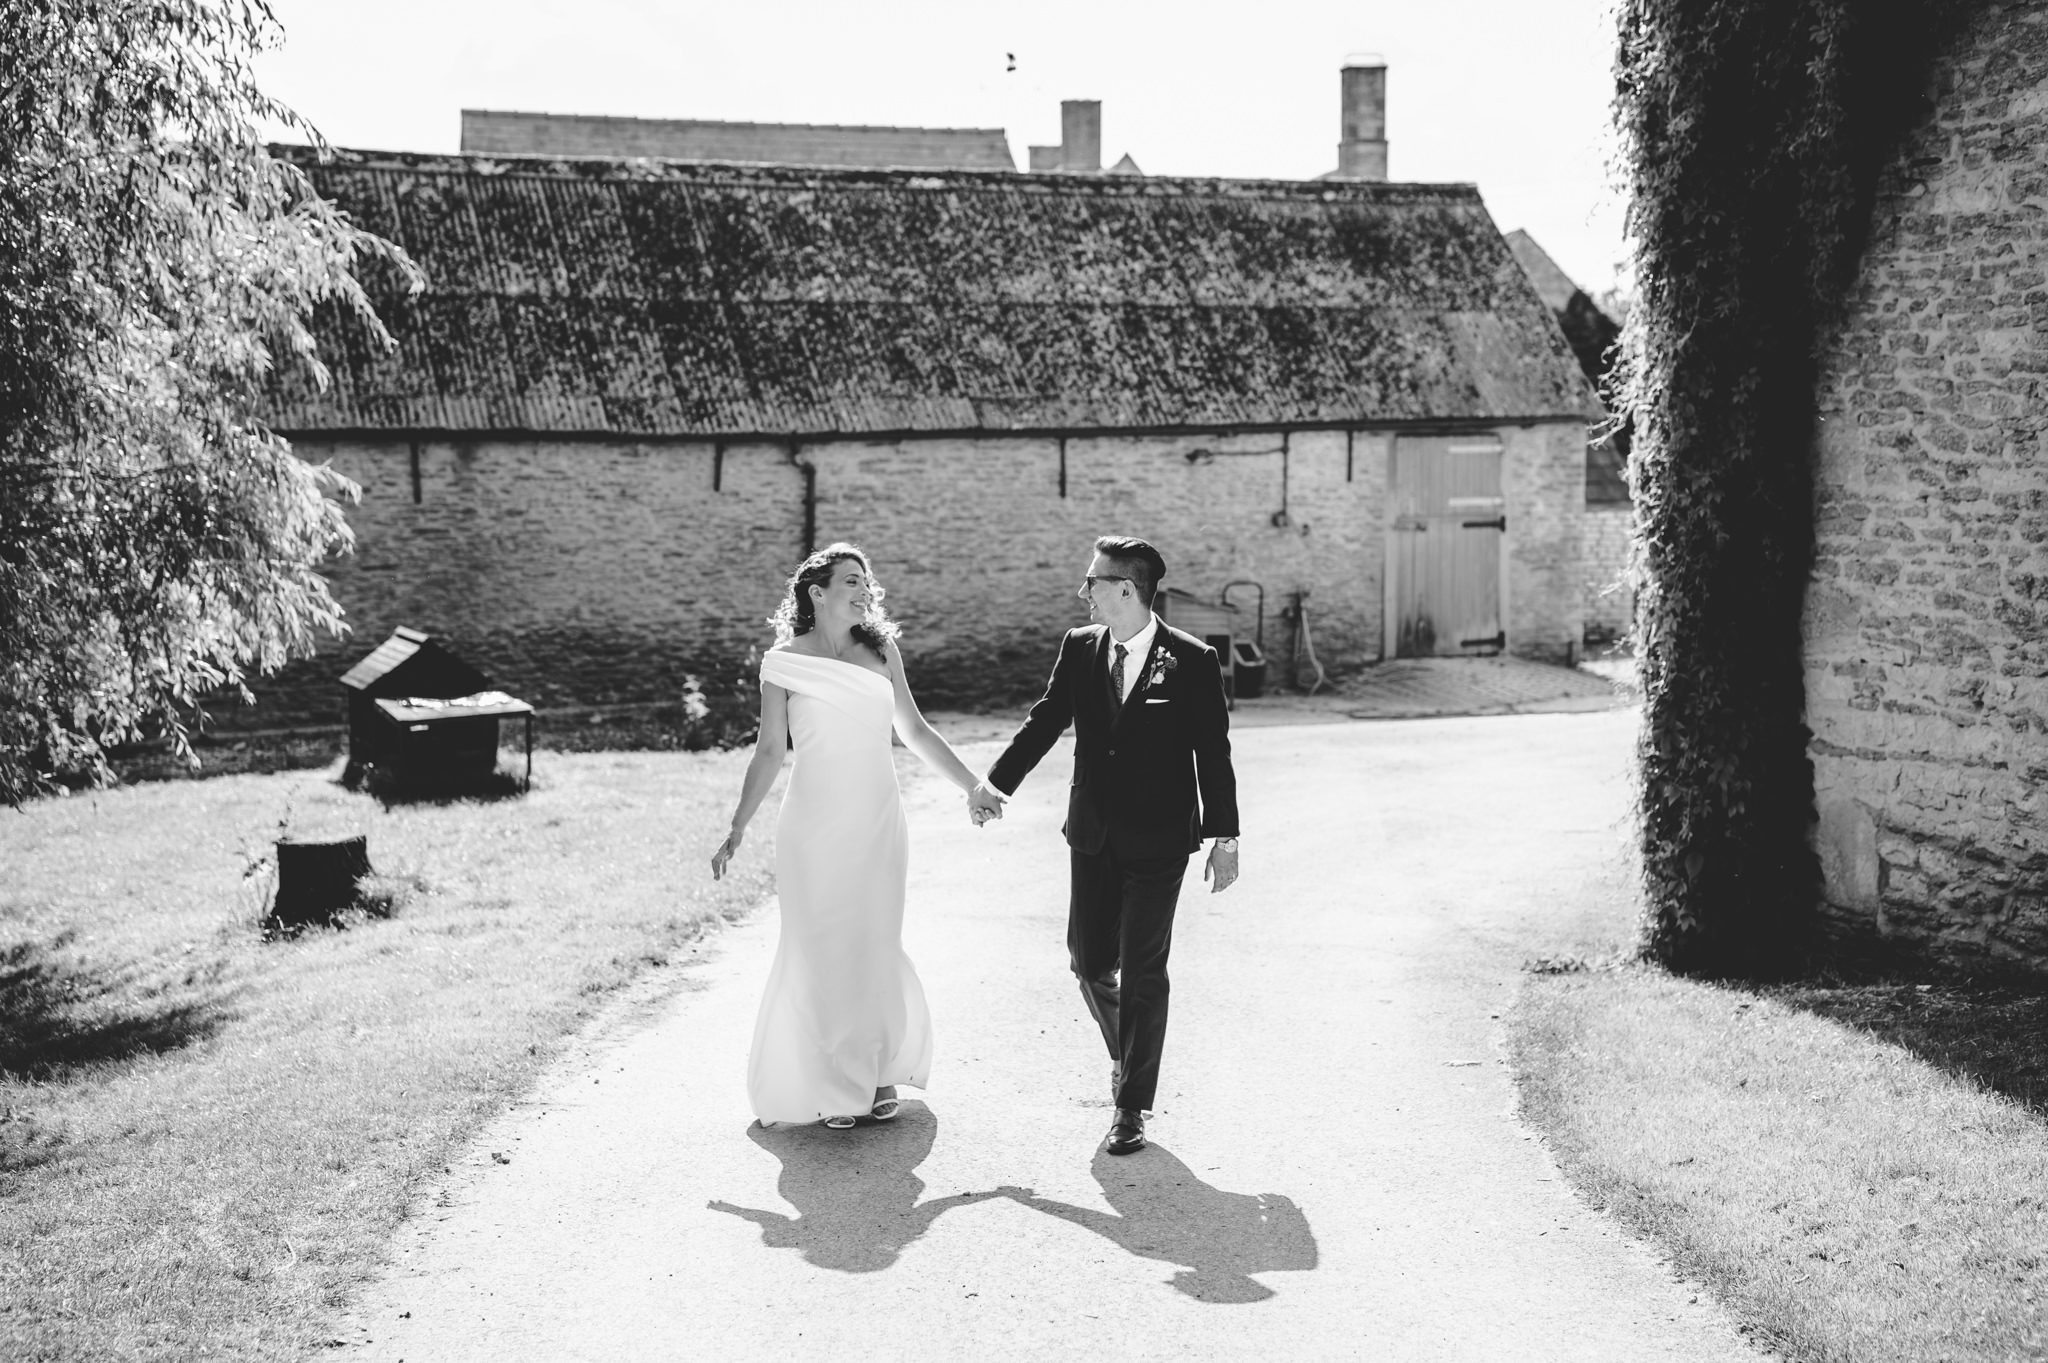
(1081, 136)
(1362, 154)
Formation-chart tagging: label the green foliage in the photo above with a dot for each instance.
(157, 541)
(1752, 133)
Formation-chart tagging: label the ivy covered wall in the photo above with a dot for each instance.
(1753, 132)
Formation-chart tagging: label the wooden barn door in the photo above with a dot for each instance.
(1447, 520)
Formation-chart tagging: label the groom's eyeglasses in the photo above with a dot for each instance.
(1094, 580)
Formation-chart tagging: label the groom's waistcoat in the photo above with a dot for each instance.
(1156, 773)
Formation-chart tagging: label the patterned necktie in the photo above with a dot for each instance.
(1116, 682)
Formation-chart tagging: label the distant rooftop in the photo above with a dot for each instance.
(1591, 334)
(1553, 285)
(493, 132)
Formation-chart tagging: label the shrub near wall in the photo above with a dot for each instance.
(1752, 131)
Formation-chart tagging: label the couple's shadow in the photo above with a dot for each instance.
(855, 1195)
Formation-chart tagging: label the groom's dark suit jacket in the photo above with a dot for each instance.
(1157, 775)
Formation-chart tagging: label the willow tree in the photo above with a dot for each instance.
(158, 543)
(1753, 134)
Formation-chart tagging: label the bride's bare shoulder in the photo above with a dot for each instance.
(796, 645)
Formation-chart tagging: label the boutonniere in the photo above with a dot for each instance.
(1161, 664)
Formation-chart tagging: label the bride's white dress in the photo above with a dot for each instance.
(844, 1013)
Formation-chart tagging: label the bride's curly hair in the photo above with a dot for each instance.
(798, 614)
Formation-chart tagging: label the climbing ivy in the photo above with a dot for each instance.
(1753, 134)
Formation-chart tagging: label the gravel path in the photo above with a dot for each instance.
(1336, 1171)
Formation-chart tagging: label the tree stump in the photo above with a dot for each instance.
(317, 880)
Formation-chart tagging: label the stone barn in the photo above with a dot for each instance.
(635, 393)
(1609, 525)
(1926, 630)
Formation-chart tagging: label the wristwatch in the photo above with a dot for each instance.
(1227, 844)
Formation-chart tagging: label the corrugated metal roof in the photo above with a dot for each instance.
(496, 132)
(648, 298)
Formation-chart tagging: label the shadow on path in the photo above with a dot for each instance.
(855, 1192)
(1162, 1211)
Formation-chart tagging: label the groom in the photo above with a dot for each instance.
(1151, 734)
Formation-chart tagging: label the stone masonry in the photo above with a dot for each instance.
(1927, 622)
(595, 572)
(1543, 478)
(1609, 600)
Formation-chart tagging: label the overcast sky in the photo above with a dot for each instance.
(1511, 95)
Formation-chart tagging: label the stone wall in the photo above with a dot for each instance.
(1610, 602)
(981, 554)
(1927, 623)
(602, 572)
(1543, 478)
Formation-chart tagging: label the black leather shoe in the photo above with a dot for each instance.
(1127, 1137)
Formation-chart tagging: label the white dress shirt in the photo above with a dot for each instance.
(1136, 649)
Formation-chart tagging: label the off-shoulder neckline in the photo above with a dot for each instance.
(882, 677)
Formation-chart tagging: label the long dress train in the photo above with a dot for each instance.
(844, 1012)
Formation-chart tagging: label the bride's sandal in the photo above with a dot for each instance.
(838, 1123)
(885, 1109)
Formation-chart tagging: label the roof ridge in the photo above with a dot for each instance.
(739, 123)
(557, 166)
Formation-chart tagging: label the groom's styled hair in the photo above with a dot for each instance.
(1139, 559)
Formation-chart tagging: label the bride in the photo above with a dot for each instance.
(843, 1021)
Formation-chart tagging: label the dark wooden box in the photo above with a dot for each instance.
(424, 716)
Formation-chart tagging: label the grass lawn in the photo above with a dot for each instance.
(1859, 1173)
(205, 1139)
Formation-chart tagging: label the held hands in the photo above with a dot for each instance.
(984, 802)
(1220, 870)
(722, 858)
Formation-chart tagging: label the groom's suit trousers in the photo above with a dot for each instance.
(1119, 931)
(1152, 779)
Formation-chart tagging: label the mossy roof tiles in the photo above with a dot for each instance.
(651, 298)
